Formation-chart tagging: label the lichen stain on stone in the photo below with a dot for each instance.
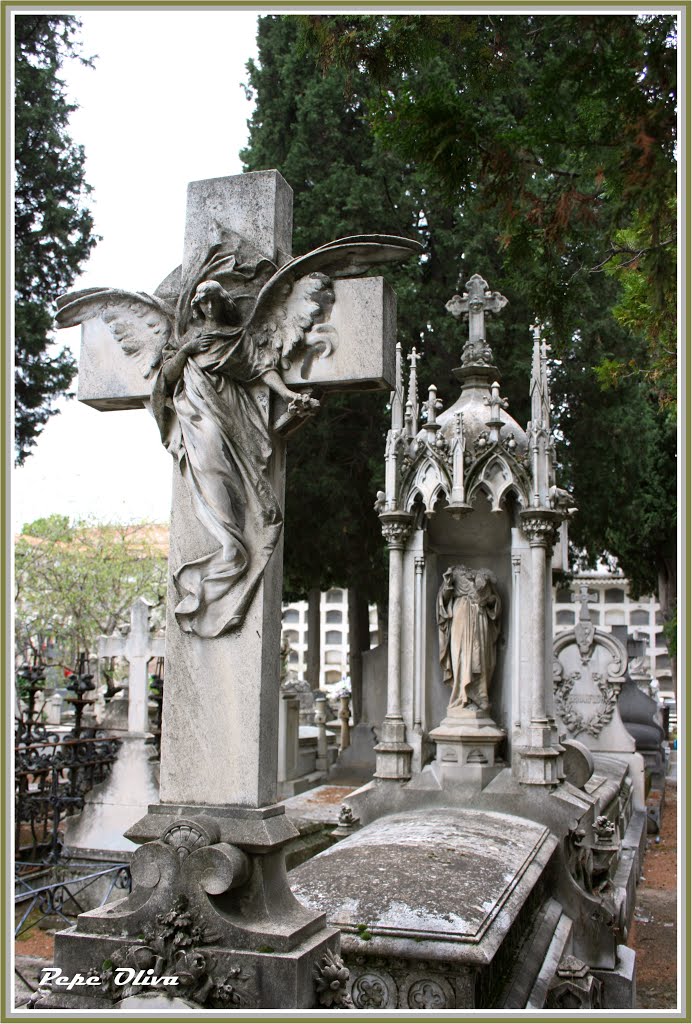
(469, 861)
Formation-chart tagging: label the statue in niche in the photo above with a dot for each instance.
(468, 617)
(237, 322)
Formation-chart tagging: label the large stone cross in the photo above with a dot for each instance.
(219, 727)
(138, 647)
(225, 343)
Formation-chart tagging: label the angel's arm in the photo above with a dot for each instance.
(276, 382)
(298, 402)
(173, 366)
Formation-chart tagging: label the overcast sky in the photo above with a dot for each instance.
(163, 105)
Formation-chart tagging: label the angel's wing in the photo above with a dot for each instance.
(141, 324)
(298, 294)
(344, 257)
(291, 313)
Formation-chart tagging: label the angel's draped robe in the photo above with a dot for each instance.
(220, 437)
(469, 623)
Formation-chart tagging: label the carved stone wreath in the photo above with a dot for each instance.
(575, 721)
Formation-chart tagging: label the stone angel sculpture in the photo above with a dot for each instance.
(232, 322)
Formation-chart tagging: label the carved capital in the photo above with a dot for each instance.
(396, 527)
(541, 526)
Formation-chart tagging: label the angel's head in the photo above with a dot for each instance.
(212, 302)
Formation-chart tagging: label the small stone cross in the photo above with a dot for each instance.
(414, 358)
(138, 646)
(432, 407)
(583, 600)
(476, 301)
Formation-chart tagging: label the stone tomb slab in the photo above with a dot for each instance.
(449, 876)
(321, 804)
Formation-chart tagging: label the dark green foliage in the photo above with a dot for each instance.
(53, 227)
(534, 150)
(561, 127)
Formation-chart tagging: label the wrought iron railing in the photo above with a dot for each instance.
(156, 686)
(61, 900)
(53, 773)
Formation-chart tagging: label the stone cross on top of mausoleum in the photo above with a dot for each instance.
(473, 305)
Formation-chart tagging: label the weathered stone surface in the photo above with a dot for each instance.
(578, 763)
(107, 379)
(251, 210)
(362, 357)
(477, 868)
(364, 322)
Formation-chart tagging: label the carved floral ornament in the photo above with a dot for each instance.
(374, 990)
(541, 527)
(396, 527)
(385, 983)
(331, 982)
(173, 946)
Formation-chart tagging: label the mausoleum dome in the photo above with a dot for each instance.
(474, 405)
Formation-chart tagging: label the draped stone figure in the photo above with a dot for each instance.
(468, 617)
(235, 322)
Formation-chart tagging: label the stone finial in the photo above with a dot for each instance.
(473, 305)
(412, 399)
(397, 398)
(574, 987)
(539, 390)
(432, 407)
(495, 403)
(458, 506)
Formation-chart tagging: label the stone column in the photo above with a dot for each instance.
(322, 762)
(289, 710)
(393, 753)
(516, 628)
(541, 757)
(314, 638)
(418, 645)
(345, 719)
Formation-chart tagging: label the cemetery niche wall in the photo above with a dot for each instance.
(503, 840)
(229, 354)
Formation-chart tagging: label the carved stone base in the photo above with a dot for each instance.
(539, 762)
(467, 744)
(210, 905)
(393, 753)
(574, 987)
